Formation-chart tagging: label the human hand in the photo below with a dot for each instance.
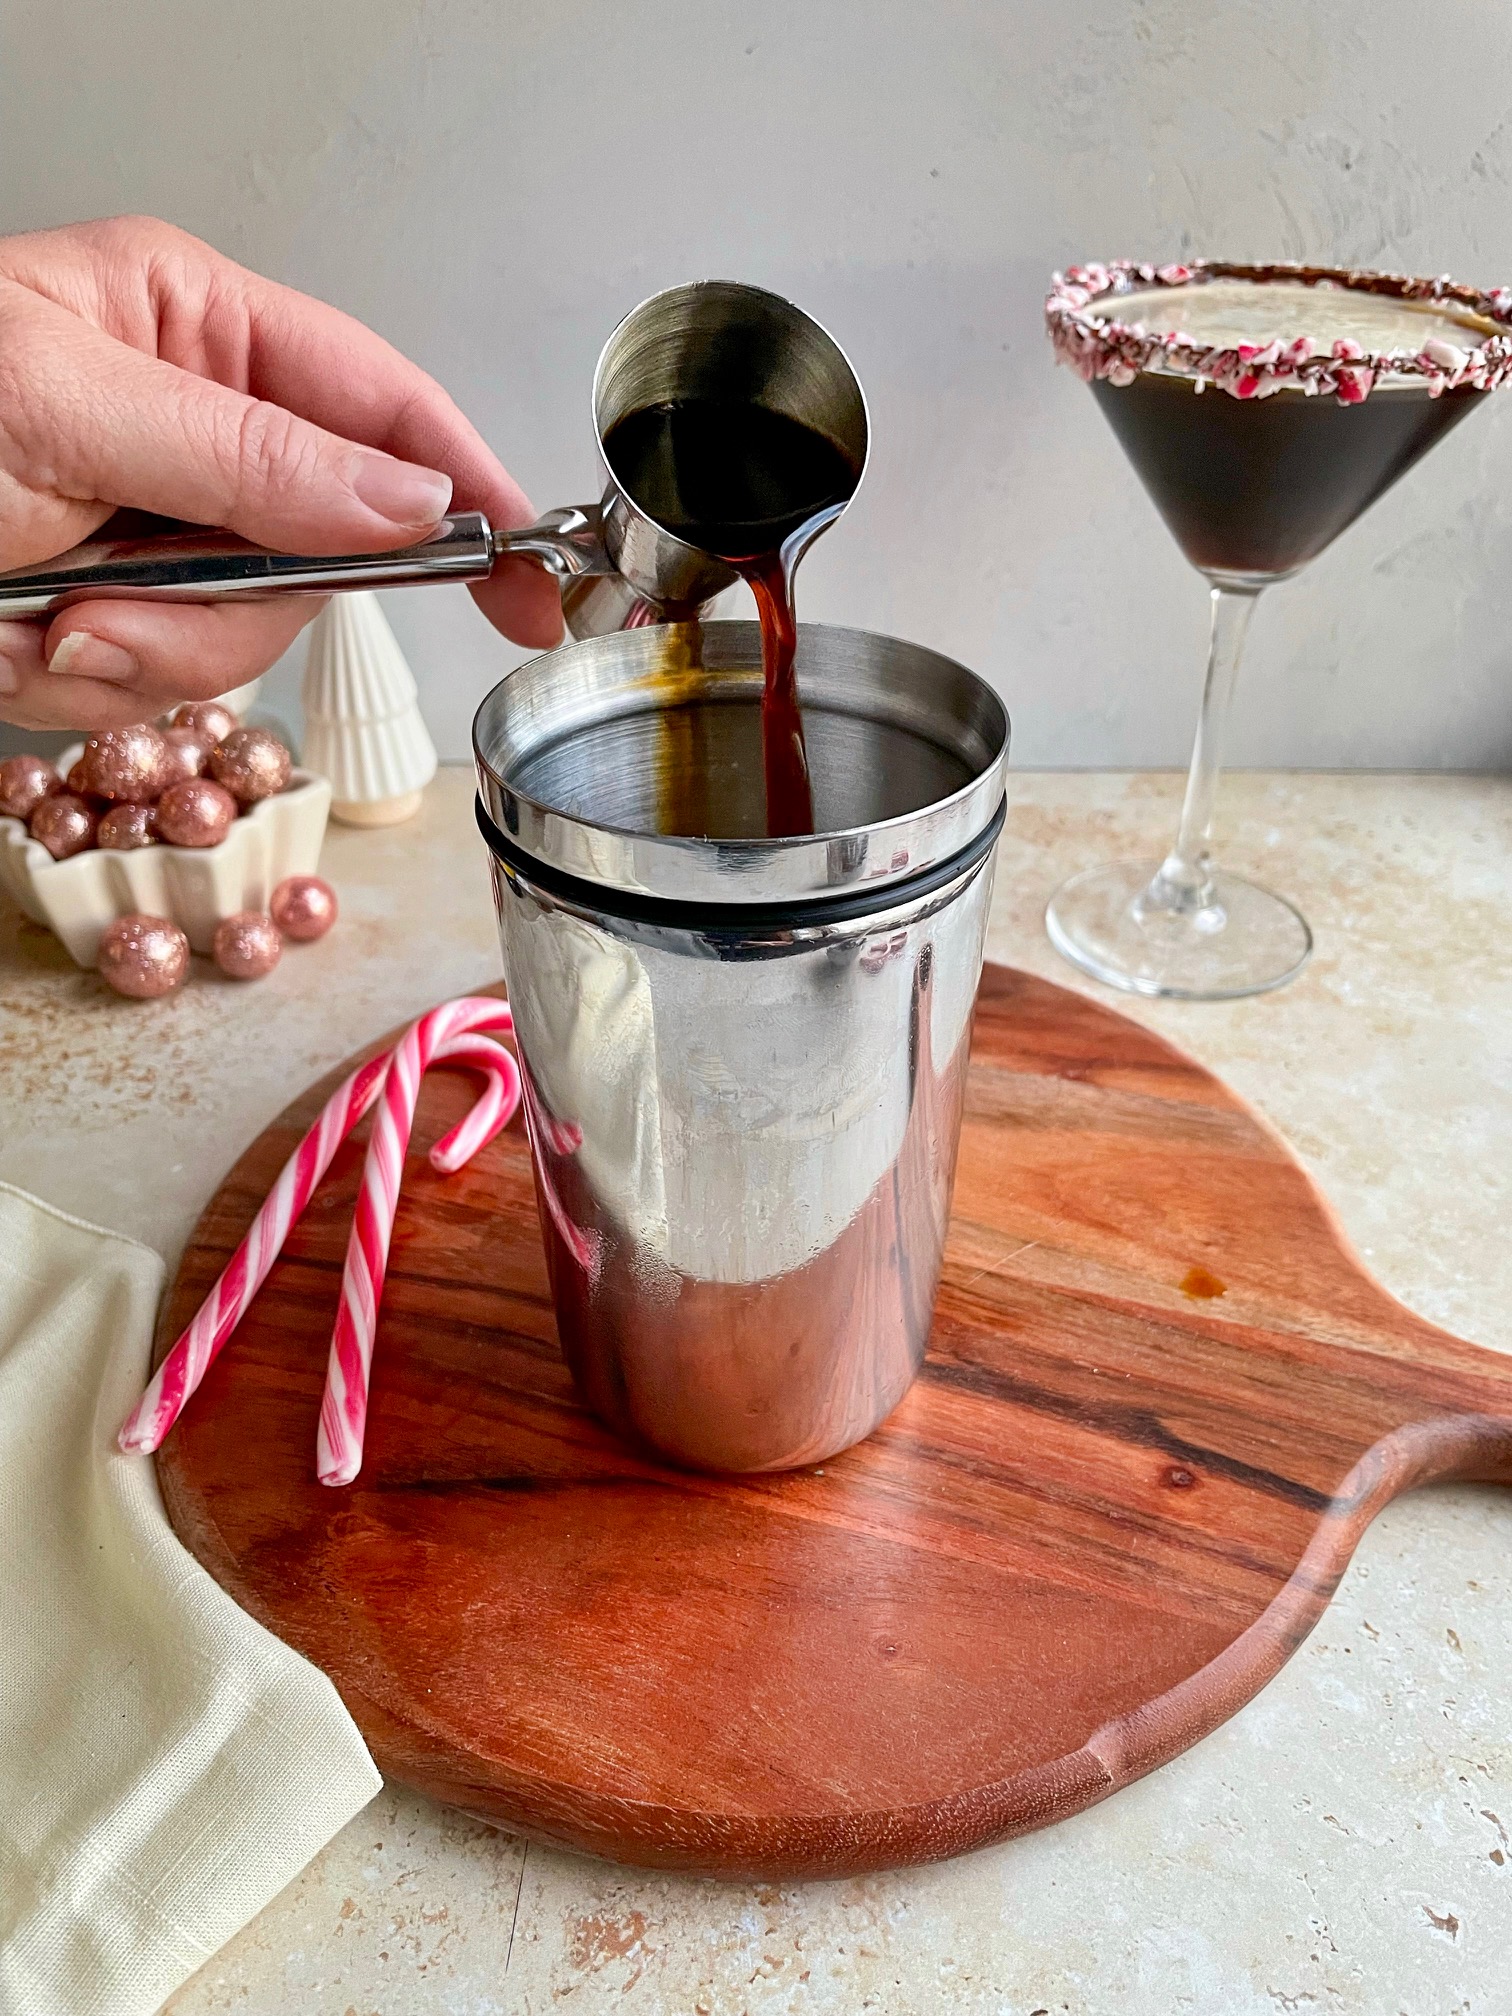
(140, 368)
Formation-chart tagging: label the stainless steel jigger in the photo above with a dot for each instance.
(617, 567)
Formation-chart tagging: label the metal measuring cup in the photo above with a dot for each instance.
(617, 567)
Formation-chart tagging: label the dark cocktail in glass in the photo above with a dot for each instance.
(1264, 408)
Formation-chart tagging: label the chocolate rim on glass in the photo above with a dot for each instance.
(1264, 409)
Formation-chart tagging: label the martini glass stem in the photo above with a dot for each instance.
(1184, 880)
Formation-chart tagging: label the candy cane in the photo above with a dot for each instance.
(493, 1110)
(223, 1308)
(343, 1409)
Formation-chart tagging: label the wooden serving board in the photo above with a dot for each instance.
(1161, 1403)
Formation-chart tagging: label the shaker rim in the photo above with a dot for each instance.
(840, 670)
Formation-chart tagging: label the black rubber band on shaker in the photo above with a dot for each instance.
(673, 913)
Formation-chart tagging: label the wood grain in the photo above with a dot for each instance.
(1161, 1403)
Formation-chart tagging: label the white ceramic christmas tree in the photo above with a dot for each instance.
(362, 718)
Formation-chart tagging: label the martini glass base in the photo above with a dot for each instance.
(1242, 941)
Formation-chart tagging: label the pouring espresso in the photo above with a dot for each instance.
(732, 421)
(734, 432)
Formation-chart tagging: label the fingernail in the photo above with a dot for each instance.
(83, 654)
(399, 491)
(10, 679)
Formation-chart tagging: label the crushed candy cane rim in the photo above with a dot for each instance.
(1100, 346)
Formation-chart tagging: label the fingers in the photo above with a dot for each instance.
(31, 698)
(168, 651)
(86, 417)
(263, 410)
(522, 599)
(162, 293)
(309, 356)
(107, 664)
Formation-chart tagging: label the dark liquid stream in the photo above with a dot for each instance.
(745, 484)
(1261, 486)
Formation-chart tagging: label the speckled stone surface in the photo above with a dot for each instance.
(1340, 1849)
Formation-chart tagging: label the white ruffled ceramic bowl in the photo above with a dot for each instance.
(195, 886)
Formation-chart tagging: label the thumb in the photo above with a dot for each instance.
(90, 419)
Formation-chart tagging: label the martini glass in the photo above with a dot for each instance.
(1264, 408)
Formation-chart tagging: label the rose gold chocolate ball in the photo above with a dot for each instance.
(186, 753)
(196, 813)
(252, 764)
(24, 782)
(75, 781)
(125, 765)
(247, 945)
(64, 824)
(205, 717)
(144, 957)
(303, 907)
(126, 826)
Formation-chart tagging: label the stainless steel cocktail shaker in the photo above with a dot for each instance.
(744, 1058)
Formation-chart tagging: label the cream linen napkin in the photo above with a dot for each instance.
(166, 1765)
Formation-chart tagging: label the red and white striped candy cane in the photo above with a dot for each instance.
(223, 1308)
(343, 1410)
(490, 1113)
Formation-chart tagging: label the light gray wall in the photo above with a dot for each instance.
(492, 185)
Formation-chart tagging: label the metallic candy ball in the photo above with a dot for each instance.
(126, 826)
(303, 907)
(127, 765)
(252, 764)
(24, 782)
(187, 754)
(196, 813)
(64, 824)
(205, 717)
(247, 945)
(144, 957)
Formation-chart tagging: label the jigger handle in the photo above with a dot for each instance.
(193, 564)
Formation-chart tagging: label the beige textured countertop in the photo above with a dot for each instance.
(1341, 1848)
